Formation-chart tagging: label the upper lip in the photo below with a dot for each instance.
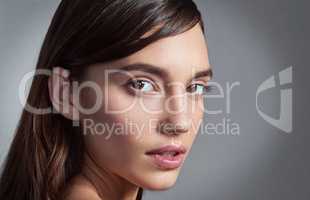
(168, 148)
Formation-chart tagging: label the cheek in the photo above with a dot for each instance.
(124, 154)
(114, 151)
(118, 133)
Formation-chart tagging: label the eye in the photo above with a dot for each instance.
(142, 85)
(199, 89)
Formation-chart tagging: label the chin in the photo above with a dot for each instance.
(162, 181)
(160, 186)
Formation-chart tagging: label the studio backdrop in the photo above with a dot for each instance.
(254, 142)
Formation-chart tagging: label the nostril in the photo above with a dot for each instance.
(173, 129)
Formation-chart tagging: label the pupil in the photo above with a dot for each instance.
(139, 84)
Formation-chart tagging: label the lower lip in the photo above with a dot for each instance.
(167, 162)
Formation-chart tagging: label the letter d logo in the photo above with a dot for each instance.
(285, 122)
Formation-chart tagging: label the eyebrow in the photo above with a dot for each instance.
(153, 69)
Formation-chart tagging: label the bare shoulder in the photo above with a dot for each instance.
(79, 189)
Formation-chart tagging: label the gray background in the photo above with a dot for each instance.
(249, 41)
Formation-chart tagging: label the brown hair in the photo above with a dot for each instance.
(47, 150)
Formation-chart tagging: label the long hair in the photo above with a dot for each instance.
(47, 150)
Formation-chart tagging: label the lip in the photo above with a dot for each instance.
(162, 160)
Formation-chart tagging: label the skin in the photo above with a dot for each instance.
(115, 167)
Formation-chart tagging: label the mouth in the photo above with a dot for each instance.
(168, 157)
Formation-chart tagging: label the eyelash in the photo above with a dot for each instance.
(206, 88)
(131, 83)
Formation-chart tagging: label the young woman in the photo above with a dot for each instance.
(105, 65)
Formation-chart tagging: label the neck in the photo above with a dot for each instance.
(108, 185)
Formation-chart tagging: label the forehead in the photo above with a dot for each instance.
(184, 52)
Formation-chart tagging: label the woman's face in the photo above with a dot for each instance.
(151, 99)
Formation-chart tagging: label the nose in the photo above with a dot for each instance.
(176, 117)
(174, 128)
